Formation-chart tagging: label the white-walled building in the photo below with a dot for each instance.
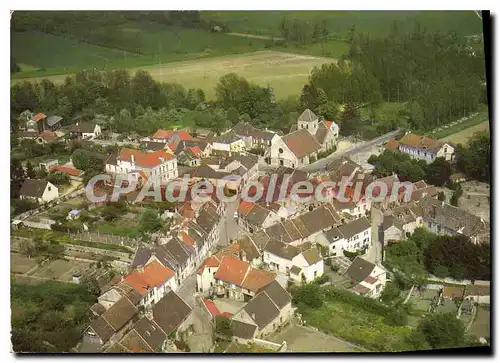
(41, 191)
(158, 165)
(351, 236)
(371, 278)
(229, 142)
(422, 147)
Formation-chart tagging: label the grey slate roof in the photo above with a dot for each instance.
(120, 313)
(150, 332)
(352, 228)
(243, 330)
(101, 327)
(288, 252)
(170, 312)
(278, 294)
(262, 309)
(312, 256)
(359, 269)
(33, 188)
(308, 116)
(52, 120)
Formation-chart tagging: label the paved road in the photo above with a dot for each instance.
(229, 228)
(322, 164)
(374, 253)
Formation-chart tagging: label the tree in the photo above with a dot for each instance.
(396, 317)
(150, 222)
(223, 327)
(64, 107)
(58, 178)
(442, 331)
(390, 293)
(124, 121)
(474, 160)
(350, 121)
(231, 89)
(438, 172)
(309, 295)
(30, 172)
(17, 176)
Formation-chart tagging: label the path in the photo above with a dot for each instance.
(254, 36)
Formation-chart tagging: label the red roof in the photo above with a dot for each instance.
(257, 279)
(245, 206)
(328, 123)
(211, 307)
(371, 280)
(38, 117)
(194, 149)
(154, 274)
(232, 270)
(363, 290)
(168, 134)
(66, 170)
(392, 145)
(186, 239)
(48, 135)
(145, 159)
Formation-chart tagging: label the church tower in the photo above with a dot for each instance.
(309, 121)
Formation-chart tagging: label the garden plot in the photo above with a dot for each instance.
(61, 270)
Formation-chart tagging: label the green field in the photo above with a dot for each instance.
(376, 23)
(285, 72)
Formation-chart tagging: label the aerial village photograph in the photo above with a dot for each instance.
(250, 182)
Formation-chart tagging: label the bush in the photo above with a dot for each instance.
(321, 280)
(335, 267)
(23, 205)
(396, 318)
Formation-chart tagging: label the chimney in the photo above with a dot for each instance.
(243, 256)
(132, 158)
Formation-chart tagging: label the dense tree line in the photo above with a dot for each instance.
(436, 75)
(474, 159)
(443, 256)
(303, 32)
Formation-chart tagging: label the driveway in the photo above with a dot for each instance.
(305, 339)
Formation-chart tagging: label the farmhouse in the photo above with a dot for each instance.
(422, 147)
(40, 190)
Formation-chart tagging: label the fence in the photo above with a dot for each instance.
(105, 238)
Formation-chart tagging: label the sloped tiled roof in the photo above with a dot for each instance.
(392, 145)
(120, 313)
(321, 132)
(256, 279)
(170, 312)
(145, 159)
(154, 274)
(354, 227)
(301, 143)
(66, 170)
(286, 251)
(262, 309)
(421, 142)
(312, 256)
(359, 269)
(232, 270)
(38, 117)
(277, 293)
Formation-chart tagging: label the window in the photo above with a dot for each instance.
(280, 150)
(49, 188)
(315, 274)
(366, 233)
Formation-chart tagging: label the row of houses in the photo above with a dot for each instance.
(422, 147)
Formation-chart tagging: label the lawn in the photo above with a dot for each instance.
(481, 325)
(118, 228)
(376, 23)
(285, 72)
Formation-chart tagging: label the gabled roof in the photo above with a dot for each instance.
(232, 270)
(277, 294)
(154, 274)
(357, 226)
(301, 143)
(48, 135)
(256, 279)
(102, 328)
(392, 145)
(66, 170)
(83, 127)
(321, 132)
(145, 159)
(262, 309)
(359, 269)
(286, 251)
(150, 332)
(312, 256)
(308, 116)
(170, 312)
(421, 142)
(152, 145)
(120, 313)
(33, 188)
(38, 117)
(168, 134)
(52, 120)
(249, 247)
(134, 343)
(243, 330)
